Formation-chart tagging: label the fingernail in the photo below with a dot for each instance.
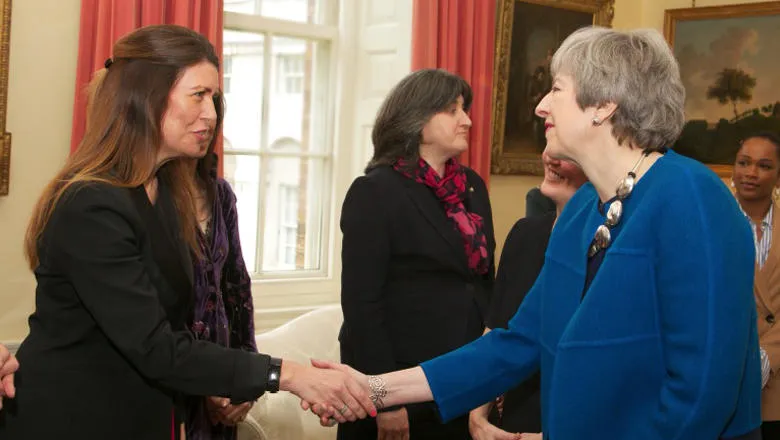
(373, 413)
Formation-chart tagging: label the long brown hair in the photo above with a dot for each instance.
(127, 101)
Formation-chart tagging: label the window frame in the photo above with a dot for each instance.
(329, 33)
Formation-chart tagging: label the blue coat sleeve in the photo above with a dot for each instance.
(480, 371)
(707, 318)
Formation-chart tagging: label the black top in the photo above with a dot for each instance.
(521, 262)
(108, 352)
(537, 203)
(407, 292)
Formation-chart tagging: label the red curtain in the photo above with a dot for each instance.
(459, 35)
(105, 21)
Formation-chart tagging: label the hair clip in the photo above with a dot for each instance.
(108, 63)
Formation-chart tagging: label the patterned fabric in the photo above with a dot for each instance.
(451, 190)
(762, 246)
(223, 310)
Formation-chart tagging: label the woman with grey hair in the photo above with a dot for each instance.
(642, 321)
(417, 253)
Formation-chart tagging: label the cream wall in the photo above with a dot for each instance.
(507, 193)
(44, 38)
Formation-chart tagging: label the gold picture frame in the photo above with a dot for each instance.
(515, 147)
(5, 137)
(737, 40)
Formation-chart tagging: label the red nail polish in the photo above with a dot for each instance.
(373, 413)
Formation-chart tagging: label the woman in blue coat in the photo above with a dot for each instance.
(642, 321)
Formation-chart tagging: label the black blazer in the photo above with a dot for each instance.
(108, 351)
(521, 261)
(406, 290)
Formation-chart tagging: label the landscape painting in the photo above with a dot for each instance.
(730, 68)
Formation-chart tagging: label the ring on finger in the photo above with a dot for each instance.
(343, 409)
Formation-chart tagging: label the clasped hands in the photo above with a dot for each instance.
(335, 393)
(8, 366)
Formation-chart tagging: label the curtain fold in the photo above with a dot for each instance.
(103, 22)
(459, 36)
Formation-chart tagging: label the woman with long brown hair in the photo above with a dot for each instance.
(109, 354)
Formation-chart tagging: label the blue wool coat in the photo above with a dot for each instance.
(663, 346)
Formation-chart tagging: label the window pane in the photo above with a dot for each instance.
(298, 104)
(227, 73)
(302, 11)
(242, 173)
(293, 213)
(243, 87)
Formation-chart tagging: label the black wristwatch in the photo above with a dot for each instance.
(274, 374)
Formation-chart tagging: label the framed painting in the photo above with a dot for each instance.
(730, 68)
(528, 32)
(5, 138)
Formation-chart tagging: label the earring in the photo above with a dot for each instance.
(596, 121)
(776, 193)
(732, 182)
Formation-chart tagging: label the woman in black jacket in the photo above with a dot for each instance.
(417, 261)
(109, 354)
(521, 261)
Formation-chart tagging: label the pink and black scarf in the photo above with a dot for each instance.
(451, 190)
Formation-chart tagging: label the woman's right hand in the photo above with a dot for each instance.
(481, 429)
(329, 392)
(393, 425)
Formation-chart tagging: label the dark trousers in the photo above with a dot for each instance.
(770, 430)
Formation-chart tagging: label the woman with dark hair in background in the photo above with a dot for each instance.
(756, 178)
(521, 261)
(223, 312)
(109, 354)
(417, 255)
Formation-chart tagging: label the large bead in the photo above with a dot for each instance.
(601, 240)
(625, 187)
(614, 213)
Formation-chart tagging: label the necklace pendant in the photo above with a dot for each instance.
(601, 240)
(614, 213)
(625, 187)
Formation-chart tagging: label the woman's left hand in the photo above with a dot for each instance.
(222, 411)
(234, 414)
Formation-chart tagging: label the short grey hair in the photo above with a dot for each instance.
(635, 70)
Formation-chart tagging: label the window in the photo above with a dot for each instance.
(280, 93)
(289, 78)
(288, 225)
(227, 73)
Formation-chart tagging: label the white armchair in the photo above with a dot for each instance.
(279, 416)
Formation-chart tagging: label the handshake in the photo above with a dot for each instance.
(336, 393)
